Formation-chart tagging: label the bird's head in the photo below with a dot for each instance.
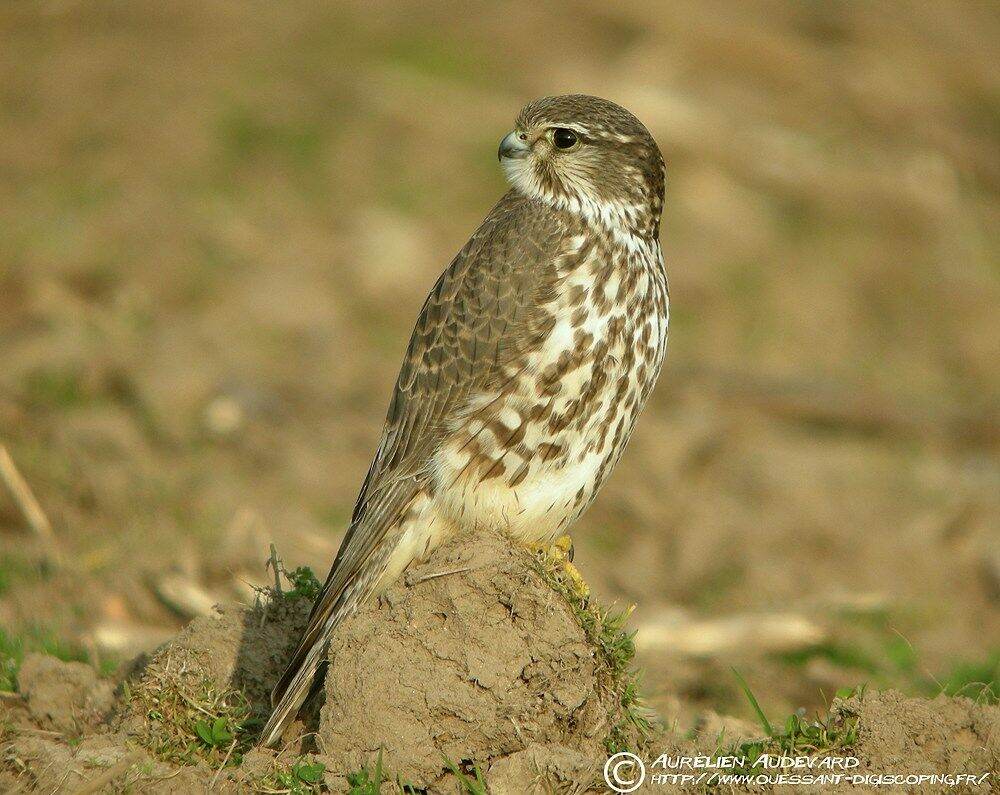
(590, 157)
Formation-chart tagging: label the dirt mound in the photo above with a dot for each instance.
(63, 696)
(484, 663)
(474, 658)
(222, 665)
(913, 736)
(870, 742)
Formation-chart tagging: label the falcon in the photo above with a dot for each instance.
(531, 359)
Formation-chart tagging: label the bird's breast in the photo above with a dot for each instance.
(529, 457)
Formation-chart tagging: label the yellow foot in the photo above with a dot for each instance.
(560, 556)
(565, 545)
(579, 584)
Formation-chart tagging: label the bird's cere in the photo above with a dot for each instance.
(513, 146)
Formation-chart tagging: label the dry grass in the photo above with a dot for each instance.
(185, 718)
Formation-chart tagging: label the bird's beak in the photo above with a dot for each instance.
(513, 147)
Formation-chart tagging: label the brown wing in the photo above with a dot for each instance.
(473, 325)
(480, 318)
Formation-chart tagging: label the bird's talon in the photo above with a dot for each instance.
(560, 553)
(576, 579)
(565, 544)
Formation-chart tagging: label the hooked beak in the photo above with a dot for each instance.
(513, 147)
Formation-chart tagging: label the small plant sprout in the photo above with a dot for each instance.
(797, 735)
(470, 786)
(305, 584)
(301, 778)
(364, 783)
(214, 734)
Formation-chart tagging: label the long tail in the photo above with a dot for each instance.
(299, 677)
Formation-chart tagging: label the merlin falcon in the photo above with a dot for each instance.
(531, 359)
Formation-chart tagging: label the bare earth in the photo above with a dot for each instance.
(474, 657)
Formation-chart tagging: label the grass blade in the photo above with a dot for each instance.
(761, 717)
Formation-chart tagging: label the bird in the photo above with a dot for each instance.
(529, 363)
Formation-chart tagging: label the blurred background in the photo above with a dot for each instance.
(218, 222)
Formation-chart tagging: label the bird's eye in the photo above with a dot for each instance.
(563, 138)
